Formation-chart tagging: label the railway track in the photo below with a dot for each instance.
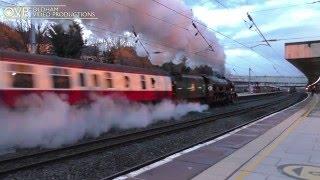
(218, 134)
(23, 162)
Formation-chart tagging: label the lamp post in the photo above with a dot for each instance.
(249, 80)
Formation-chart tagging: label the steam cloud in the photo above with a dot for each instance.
(51, 122)
(176, 32)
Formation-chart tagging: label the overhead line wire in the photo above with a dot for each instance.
(172, 47)
(182, 27)
(265, 40)
(287, 6)
(226, 7)
(129, 7)
(198, 23)
(278, 39)
(166, 45)
(259, 32)
(226, 36)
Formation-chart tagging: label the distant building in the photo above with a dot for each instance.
(123, 55)
(128, 56)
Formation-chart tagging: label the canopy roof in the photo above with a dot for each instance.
(306, 57)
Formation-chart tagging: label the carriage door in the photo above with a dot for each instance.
(208, 87)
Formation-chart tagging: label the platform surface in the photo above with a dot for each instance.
(290, 150)
(285, 145)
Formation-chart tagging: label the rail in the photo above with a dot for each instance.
(14, 164)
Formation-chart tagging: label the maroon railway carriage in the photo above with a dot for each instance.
(22, 74)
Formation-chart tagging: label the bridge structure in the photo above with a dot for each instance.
(306, 57)
(278, 81)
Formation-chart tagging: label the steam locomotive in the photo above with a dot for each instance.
(22, 74)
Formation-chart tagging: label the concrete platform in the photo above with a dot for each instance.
(284, 145)
(286, 151)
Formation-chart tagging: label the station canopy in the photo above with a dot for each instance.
(306, 57)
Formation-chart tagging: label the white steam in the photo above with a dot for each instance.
(159, 28)
(51, 122)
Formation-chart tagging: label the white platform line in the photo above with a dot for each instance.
(170, 158)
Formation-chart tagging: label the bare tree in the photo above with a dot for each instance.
(23, 27)
(10, 38)
(112, 44)
(42, 41)
(118, 42)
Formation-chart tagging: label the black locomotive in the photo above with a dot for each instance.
(204, 89)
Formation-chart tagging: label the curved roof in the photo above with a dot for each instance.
(67, 62)
(310, 67)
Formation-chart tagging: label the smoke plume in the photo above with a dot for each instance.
(51, 122)
(158, 28)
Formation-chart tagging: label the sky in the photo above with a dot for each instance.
(285, 20)
(277, 19)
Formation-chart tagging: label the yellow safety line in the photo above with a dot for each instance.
(251, 166)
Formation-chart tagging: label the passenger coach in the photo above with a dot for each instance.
(22, 74)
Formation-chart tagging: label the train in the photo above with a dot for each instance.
(23, 74)
(314, 88)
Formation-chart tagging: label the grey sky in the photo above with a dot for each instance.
(277, 19)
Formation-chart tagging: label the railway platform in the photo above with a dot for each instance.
(284, 145)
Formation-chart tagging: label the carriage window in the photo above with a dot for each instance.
(60, 78)
(95, 79)
(143, 82)
(22, 80)
(21, 76)
(126, 82)
(153, 83)
(109, 83)
(82, 80)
